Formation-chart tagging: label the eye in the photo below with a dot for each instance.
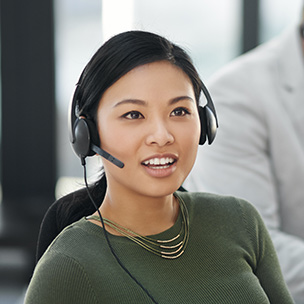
(133, 115)
(180, 112)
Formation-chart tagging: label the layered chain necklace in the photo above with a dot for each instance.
(167, 249)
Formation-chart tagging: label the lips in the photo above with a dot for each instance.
(160, 166)
(159, 163)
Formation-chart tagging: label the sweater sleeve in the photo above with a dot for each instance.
(267, 268)
(59, 279)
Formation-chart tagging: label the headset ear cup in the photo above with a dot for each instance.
(208, 125)
(85, 134)
(82, 138)
(211, 122)
(202, 116)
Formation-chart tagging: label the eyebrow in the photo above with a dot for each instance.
(143, 103)
(180, 98)
(130, 101)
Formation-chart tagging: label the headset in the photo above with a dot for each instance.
(84, 135)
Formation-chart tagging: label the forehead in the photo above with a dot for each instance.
(157, 80)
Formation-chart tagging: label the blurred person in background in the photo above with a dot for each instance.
(259, 151)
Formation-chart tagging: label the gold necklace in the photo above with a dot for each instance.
(168, 249)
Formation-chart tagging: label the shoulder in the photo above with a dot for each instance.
(74, 238)
(81, 242)
(220, 207)
(262, 58)
(72, 253)
(212, 200)
(254, 68)
(63, 212)
(60, 277)
(226, 217)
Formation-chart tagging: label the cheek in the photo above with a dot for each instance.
(190, 140)
(108, 136)
(191, 133)
(117, 140)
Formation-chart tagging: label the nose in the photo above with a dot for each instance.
(159, 134)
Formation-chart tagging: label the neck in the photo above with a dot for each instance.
(143, 214)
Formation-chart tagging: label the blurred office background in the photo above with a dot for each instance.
(44, 47)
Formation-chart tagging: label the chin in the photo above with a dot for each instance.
(162, 189)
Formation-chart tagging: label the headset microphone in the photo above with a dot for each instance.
(107, 156)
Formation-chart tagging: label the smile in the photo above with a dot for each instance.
(160, 166)
(159, 163)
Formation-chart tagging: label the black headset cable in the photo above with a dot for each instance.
(107, 237)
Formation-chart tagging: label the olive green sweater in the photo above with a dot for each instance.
(229, 259)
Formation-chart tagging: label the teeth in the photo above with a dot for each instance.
(159, 161)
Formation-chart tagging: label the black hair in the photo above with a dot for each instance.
(121, 54)
(112, 60)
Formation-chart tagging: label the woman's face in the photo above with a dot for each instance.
(149, 120)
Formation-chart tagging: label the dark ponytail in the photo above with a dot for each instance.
(77, 204)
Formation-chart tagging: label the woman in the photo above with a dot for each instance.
(137, 105)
